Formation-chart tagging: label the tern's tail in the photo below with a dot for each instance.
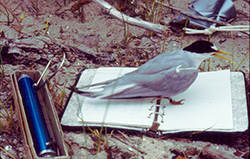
(83, 93)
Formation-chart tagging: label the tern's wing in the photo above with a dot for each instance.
(165, 75)
(163, 62)
(164, 83)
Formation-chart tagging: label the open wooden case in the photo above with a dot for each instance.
(50, 115)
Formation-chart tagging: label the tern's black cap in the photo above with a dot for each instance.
(201, 46)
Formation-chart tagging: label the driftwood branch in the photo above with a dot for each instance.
(133, 21)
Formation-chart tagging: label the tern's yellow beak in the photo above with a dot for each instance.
(222, 57)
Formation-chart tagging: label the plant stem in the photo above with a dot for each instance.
(1, 60)
(232, 65)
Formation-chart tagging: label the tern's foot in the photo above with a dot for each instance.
(173, 102)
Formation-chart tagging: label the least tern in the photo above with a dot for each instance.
(164, 76)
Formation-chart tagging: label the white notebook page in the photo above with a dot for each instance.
(132, 112)
(207, 104)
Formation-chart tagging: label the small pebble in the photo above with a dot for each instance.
(8, 147)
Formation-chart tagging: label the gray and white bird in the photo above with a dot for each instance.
(164, 76)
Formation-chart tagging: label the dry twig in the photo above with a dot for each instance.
(129, 144)
(10, 11)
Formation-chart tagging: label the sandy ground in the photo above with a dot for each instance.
(102, 38)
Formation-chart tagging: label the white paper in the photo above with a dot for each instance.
(132, 112)
(207, 104)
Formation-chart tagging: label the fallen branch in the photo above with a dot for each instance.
(133, 21)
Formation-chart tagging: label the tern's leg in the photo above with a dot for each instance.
(173, 102)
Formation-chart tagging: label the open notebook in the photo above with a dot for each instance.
(208, 105)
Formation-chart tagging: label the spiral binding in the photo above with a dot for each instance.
(162, 108)
(162, 119)
(157, 111)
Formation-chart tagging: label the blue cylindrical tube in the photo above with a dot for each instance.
(35, 117)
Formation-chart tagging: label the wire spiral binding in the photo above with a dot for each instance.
(162, 119)
(162, 108)
(158, 113)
